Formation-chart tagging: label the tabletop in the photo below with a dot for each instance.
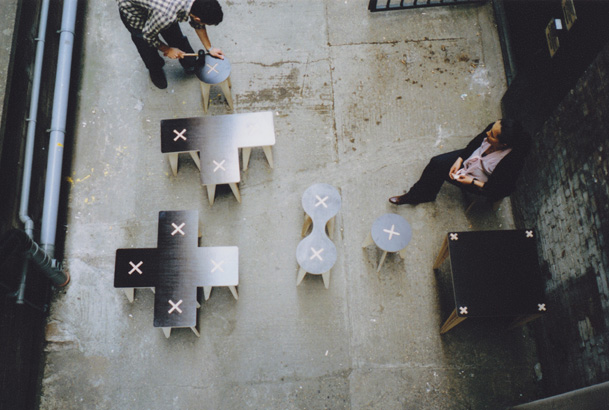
(391, 232)
(496, 273)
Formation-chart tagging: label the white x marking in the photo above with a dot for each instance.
(317, 254)
(179, 134)
(321, 201)
(136, 268)
(219, 165)
(463, 310)
(541, 307)
(178, 229)
(212, 68)
(454, 237)
(175, 306)
(217, 266)
(391, 232)
(529, 234)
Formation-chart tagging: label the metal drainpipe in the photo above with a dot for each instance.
(29, 145)
(58, 125)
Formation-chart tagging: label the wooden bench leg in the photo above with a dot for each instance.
(167, 331)
(521, 320)
(233, 290)
(205, 94)
(206, 292)
(382, 260)
(442, 255)
(130, 292)
(452, 321)
(330, 226)
(235, 188)
(195, 158)
(173, 163)
(306, 225)
(246, 157)
(228, 94)
(326, 277)
(369, 241)
(301, 275)
(211, 193)
(194, 329)
(268, 153)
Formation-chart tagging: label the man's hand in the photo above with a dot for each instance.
(171, 52)
(216, 52)
(456, 166)
(465, 179)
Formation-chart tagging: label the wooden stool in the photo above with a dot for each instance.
(316, 254)
(211, 70)
(391, 233)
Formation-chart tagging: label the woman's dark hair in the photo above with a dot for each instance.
(512, 133)
(209, 11)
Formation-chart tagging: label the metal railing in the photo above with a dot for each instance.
(387, 5)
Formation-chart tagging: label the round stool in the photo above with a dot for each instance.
(391, 233)
(211, 70)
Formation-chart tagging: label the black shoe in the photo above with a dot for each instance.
(406, 199)
(158, 78)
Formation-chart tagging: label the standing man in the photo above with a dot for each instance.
(147, 19)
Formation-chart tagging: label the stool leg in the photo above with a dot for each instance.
(226, 89)
(330, 227)
(130, 292)
(268, 153)
(195, 158)
(205, 94)
(233, 290)
(402, 253)
(167, 331)
(206, 292)
(301, 275)
(326, 277)
(306, 225)
(211, 193)
(246, 157)
(235, 188)
(368, 241)
(194, 329)
(442, 255)
(382, 260)
(173, 162)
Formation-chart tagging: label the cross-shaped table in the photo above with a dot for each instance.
(217, 139)
(175, 269)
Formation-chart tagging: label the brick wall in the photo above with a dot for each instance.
(565, 196)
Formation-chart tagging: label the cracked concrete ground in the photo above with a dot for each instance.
(361, 101)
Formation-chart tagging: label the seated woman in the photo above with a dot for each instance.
(493, 161)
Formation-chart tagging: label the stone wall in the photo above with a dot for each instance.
(564, 195)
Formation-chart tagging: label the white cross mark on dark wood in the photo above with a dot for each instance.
(454, 237)
(529, 234)
(178, 229)
(321, 201)
(180, 135)
(463, 310)
(541, 307)
(174, 306)
(217, 265)
(317, 254)
(391, 232)
(212, 68)
(219, 165)
(136, 268)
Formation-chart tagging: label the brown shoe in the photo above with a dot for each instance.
(404, 199)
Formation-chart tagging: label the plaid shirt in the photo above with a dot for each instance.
(153, 16)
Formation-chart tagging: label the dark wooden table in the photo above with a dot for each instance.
(175, 269)
(218, 139)
(494, 274)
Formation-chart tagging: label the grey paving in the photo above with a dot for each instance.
(360, 101)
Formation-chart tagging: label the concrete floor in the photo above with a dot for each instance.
(361, 101)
